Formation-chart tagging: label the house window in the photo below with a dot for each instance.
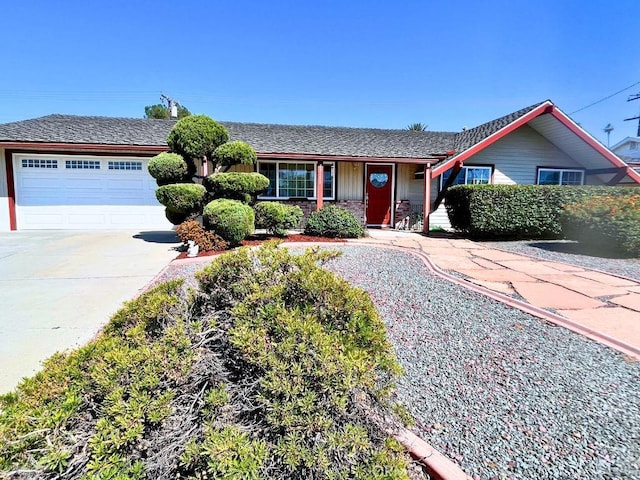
(471, 175)
(560, 176)
(39, 163)
(124, 165)
(296, 179)
(82, 164)
(633, 145)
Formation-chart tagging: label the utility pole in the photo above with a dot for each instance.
(608, 129)
(631, 98)
(172, 106)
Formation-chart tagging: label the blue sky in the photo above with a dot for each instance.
(350, 63)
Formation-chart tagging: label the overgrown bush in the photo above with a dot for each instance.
(274, 368)
(182, 197)
(277, 217)
(207, 241)
(230, 219)
(515, 211)
(196, 136)
(334, 222)
(169, 168)
(234, 153)
(236, 185)
(610, 223)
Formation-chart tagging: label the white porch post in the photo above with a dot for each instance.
(426, 202)
(319, 185)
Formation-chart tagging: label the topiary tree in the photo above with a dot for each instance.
(234, 153)
(196, 138)
(231, 219)
(236, 185)
(168, 168)
(182, 200)
(199, 138)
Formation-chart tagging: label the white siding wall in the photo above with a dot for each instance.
(350, 181)
(515, 159)
(4, 194)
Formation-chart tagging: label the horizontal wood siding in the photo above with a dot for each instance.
(350, 181)
(517, 155)
(242, 168)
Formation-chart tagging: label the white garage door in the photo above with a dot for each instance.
(85, 193)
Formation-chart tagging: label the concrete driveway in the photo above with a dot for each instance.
(57, 289)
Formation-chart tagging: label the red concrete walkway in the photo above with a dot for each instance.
(601, 306)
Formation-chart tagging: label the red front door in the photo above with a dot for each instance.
(379, 187)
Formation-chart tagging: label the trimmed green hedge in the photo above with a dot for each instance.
(609, 223)
(277, 218)
(182, 197)
(334, 222)
(236, 185)
(168, 168)
(230, 219)
(516, 211)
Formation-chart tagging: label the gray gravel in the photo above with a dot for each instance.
(496, 389)
(573, 253)
(502, 393)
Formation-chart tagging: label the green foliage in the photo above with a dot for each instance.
(234, 153)
(230, 219)
(126, 378)
(419, 127)
(196, 136)
(161, 111)
(168, 168)
(236, 185)
(207, 241)
(277, 217)
(226, 453)
(610, 223)
(274, 368)
(309, 341)
(515, 211)
(182, 197)
(334, 222)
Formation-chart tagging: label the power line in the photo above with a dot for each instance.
(605, 98)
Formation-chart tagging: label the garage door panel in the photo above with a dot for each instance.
(118, 194)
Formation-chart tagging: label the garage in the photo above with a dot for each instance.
(73, 192)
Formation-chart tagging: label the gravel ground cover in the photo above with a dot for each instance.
(573, 253)
(499, 391)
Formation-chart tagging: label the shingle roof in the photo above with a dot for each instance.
(265, 138)
(357, 142)
(470, 137)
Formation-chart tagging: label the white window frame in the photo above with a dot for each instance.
(465, 171)
(300, 162)
(562, 172)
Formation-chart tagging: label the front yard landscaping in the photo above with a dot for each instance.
(272, 368)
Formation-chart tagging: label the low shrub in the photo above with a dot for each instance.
(515, 211)
(334, 222)
(230, 219)
(176, 218)
(236, 185)
(233, 153)
(277, 217)
(182, 197)
(169, 168)
(272, 368)
(207, 241)
(610, 223)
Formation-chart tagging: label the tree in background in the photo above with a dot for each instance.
(160, 110)
(420, 127)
